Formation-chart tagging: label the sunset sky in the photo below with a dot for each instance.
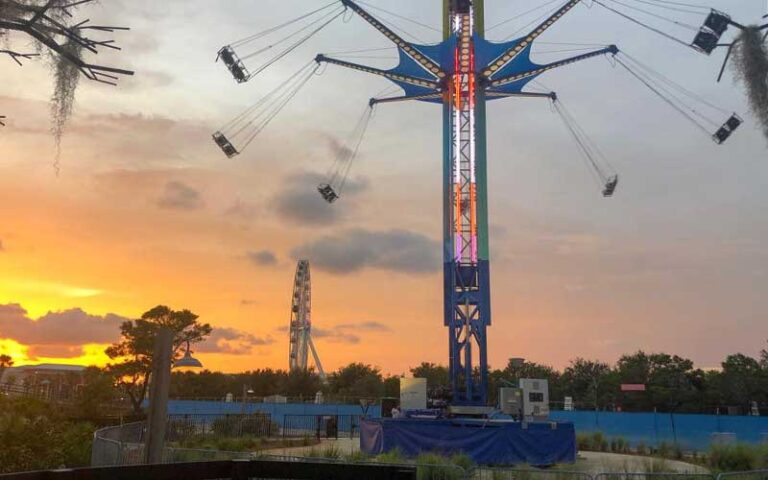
(148, 211)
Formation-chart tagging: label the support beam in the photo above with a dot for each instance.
(502, 60)
(429, 65)
(491, 94)
(532, 73)
(419, 82)
(406, 98)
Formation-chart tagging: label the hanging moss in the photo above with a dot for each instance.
(750, 56)
(67, 76)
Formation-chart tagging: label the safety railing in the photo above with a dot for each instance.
(321, 426)
(510, 473)
(654, 476)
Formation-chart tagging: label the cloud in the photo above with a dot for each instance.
(180, 196)
(262, 258)
(348, 333)
(231, 341)
(335, 336)
(301, 204)
(58, 330)
(246, 302)
(357, 249)
(2, 247)
(243, 210)
(366, 326)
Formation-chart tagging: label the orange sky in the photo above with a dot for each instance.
(146, 210)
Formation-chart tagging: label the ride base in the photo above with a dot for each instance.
(487, 442)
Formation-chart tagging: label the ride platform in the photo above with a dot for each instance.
(487, 442)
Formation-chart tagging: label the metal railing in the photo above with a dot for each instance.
(321, 426)
(234, 470)
(182, 427)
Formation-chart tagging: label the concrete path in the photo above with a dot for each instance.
(588, 462)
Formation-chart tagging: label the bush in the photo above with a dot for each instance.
(431, 466)
(34, 436)
(738, 457)
(392, 456)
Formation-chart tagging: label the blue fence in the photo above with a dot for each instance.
(690, 431)
(277, 411)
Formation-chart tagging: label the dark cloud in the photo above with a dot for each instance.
(232, 342)
(58, 330)
(366, 326)
(335, 336)
(300, 203)
(246, 302)
(242, 210)
(2, 247)
(262, 258)
(348, 333)
(180, 196)
(357, 249)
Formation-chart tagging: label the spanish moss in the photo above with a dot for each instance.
(67, 76)
(751, 68)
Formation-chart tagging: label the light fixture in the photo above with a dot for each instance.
(188, 361)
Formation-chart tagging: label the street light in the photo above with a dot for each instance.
(188, 361)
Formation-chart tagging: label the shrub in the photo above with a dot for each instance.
(431, 466)
(392, 456)
(731, 458)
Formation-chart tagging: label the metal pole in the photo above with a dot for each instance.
(159, 388)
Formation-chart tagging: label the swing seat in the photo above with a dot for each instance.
(225, 145)
(724, 133)
(328, 193)
(233, 63)
(718, 22)
(610, 186)
(706, 41)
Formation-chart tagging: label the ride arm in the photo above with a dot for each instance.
(419, 82)
(406, 98)
(520, 47)
(612, 49)
(419, 57)
(551, 95)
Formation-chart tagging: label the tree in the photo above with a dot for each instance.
(764, 358)
(97, 390)
(137, 342)
(743, 380)
(437, 375)
(671, 381)
(63, 40)
(356, 380)
(5, 362)
(589, 381)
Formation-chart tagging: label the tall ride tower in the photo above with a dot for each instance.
(467, 293)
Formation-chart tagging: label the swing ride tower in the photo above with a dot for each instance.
(461, 74)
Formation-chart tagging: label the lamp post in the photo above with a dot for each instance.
(159, 390)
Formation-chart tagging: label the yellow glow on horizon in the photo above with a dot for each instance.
(53, 288)
(92, 355)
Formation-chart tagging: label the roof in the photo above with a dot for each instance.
(52, 366)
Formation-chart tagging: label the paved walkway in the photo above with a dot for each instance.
(588, 462)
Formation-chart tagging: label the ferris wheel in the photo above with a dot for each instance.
(300, 328)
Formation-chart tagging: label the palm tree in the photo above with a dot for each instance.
(5, 362)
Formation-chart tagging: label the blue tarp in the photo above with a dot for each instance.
(486, 442)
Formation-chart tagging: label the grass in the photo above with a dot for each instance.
(737, 457)
(241, 444)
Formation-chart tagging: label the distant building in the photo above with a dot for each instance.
(47, 379)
